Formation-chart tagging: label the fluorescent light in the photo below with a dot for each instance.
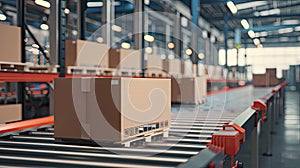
(67, 11)
(188, 52)
(94, 4)
(148, 50)
(251, 33)
(43, 3)
(245, 24)
(116, 28)
(184, 22)
(232, 7)
(285, 30)
(35, 46)
(290, 22)
(125, 45)
(201, 56)
(283, 39)
(250, 4)
(147, 2)
(171, 45)
(270, 12)
(257, 34)
(204, 34)
(256, 41)
(262, 34)
(44, 26)
(260, 46)
(149, 38)
(2, 17)
(297, 28)
(99, 40)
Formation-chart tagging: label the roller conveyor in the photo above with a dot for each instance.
(190, 131)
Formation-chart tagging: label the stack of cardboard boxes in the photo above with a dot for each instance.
(10, 47)
(267, 79)
(111, 109)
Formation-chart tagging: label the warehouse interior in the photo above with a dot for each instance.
(150, 83)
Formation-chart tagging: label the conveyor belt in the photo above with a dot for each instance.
(191, 129)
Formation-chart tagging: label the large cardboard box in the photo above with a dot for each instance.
(10, 43)
(265, 80)
(125, 59)
(10, 113)
(86, 53)
(154, 65)
(172, 66)
(110, 109)
(190, 90)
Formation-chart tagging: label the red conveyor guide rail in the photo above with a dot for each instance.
(191, 129)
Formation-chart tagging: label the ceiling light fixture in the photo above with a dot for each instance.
(251, 33)
(43, 3)
(250, 4)
(149, 38)
(285, 30)
(94, 4)
(256, 41)
(245, 24)
(269, 12)
(188, 52)
(232, 7)
(125, 45)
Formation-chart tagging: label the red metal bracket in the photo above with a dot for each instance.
(229, 138)
(261, 106)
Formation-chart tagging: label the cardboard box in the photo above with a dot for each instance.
(265, 80)
(86, 53)
(187, 68)
(110, 109)
(172, 66)
(10, 43)
(154, 65)
(125, 59)
(188, 90)
(10, 113)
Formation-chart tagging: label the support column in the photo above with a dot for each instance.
(108, 16)
(57, 34)
(194, 43)
(225, 39)
(177, 35)
(139, 8)
(21, 9)
(81, 8)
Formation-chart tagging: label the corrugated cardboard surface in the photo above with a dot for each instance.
(86, 53)
(154, 63)
(125, 59)
(172, 66)
(11, 112)
(145, 101)
(188, 90)
(10, 43)
(100, 103)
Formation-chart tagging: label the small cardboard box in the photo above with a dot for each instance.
(190, 90)
(265, 80)
(10, 43)
(110, 109)
(125, 59)
(10, 113)
(172, 66)
(86, 53)
(154, 65)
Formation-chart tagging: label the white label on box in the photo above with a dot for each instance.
(114, 82)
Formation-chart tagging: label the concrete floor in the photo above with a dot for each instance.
(286, 140)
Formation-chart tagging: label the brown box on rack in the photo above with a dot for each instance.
(86, 53)
(154, 65)
(10, 113)
(111, 109)
(172, 66)
(125, 59)
(265, 80)
(190, 90)
(10, 43)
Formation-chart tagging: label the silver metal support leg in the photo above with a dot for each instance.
(267, 132)
(53, 31)
(255, 146)
(108, 19)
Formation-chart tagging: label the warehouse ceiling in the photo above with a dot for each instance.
(276, 23)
